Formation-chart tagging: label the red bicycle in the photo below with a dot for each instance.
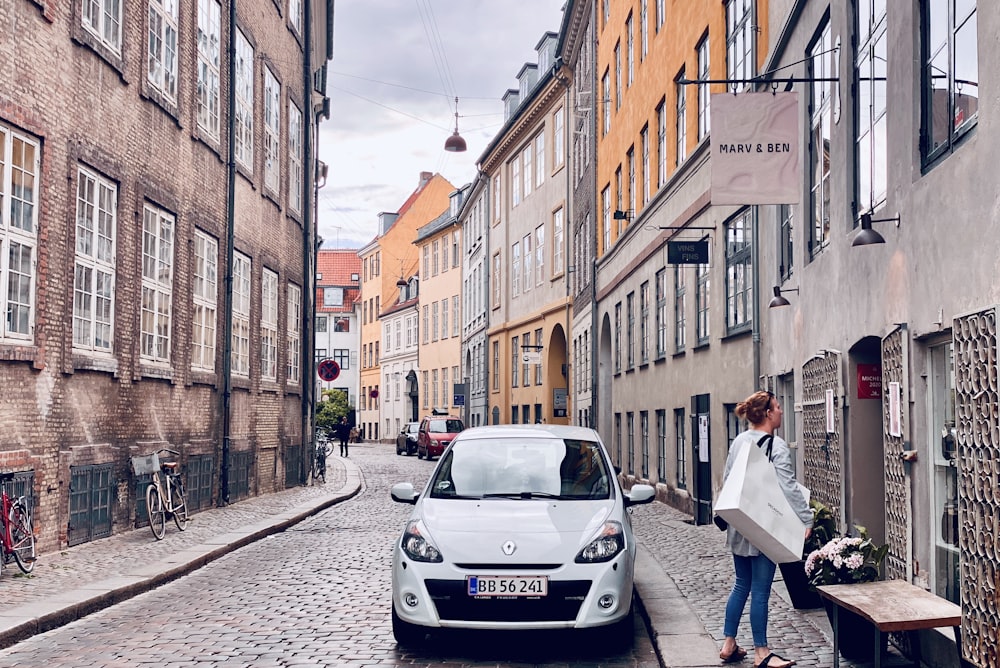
(17, 541)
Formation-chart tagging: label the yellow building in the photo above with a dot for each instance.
(529, 301)
(387, 258)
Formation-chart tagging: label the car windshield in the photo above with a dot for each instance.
(522, 468)
(445, 426)
(413, 428)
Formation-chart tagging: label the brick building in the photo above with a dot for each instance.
(123, 177)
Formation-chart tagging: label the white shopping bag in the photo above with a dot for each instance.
(752, 502)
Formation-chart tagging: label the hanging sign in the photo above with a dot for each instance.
(687, 252)
(755, 148)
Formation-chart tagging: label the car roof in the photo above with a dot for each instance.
(570, 432)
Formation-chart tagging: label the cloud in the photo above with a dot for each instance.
(396, 68)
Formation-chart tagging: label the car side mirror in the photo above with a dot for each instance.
(403, 492)
(640, 494)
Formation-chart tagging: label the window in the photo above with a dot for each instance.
(434, 388)
(321, 324)
(436, 258)
(94, 269)
(704, 95)
(529, 263)
(681, 118)
(680, 319)
(295, 16)
(618, 438)
(157, 283)
(661, 445)
(785, 241)
(702, 302)
(644, 443)
(426, 389)
(435, 321)
(643, 29)
(294, 317)
(540, 158)
(680, 447)
(205, 295)
(618, 76)
(740, 40)
(445, 394)
(618, 337)
(244, 101)
(426, 272)
(951, 74)
(454, 249)
(515, 181)
(606, 217)
(528, 158)
(333, 297)
(19, 171)
(497, 198)
(444, 318)
(558, 130)
(820, 65)
(606, 101)
(644, 323)
(871, 107)
(269, 325)
(241, 315)
(455, 324)
(630, 156)
(739, 271)
(539, 254)
(515, 360)
(644, 137)
(103, 18)
(661, 13)
(272, 130)
(294, 158)
(497, 291)
(630, 50)
(538, 348)
(618, 200)
(661, 144)
(661, 313)
(515, 269)
(557, 242)
(630, 330)
(496, 366)
(209, 38)
(630, 425)
(162, 62)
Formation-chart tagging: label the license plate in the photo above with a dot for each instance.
(516, 585)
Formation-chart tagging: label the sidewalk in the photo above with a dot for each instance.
(77, 581)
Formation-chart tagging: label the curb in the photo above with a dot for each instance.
(25, 621)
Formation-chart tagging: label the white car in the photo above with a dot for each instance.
(519, 527)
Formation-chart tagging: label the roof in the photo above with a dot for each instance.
(443, 221)
(338, 268)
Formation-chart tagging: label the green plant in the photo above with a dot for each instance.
(824, 528)
(846, 560)
(330, 410)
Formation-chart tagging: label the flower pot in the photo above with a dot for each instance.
(803, 596)
(857, 636)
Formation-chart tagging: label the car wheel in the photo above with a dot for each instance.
(398, 451)
(406, 634)
(420, 455)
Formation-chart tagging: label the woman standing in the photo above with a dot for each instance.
(754, 571)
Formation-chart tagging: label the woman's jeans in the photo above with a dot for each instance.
(754, 576)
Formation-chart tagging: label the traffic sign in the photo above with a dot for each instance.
(328, 370)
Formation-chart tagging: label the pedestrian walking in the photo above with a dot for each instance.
(344, 434)
(754, 571)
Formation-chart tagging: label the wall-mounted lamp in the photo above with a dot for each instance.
(322, 169)
(778, 300)
(622, 215)
(867, 236)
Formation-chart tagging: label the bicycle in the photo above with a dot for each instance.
(165, 494)
(323, 448)
(18, 539)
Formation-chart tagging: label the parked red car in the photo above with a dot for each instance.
(435, 434)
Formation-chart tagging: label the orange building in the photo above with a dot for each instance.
(387, 258)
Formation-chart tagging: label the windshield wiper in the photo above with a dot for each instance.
(522, 495)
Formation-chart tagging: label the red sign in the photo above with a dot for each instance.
(328, 370)
(869, 381)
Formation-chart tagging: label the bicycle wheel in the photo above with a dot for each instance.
(157, 515)
(22, 537)
(180, 509)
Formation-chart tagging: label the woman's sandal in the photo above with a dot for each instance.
(766, 663)
(738, 654)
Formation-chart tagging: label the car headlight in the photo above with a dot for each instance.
(609, 542)
(417, 545)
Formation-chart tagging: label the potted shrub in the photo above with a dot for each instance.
(849, 560)
(802, 594)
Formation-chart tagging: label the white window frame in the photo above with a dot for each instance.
(529, 262)
(540, 254)
(157, 284)
(558, 140)
(242, 272)
(644, 141)
(272, 131)
(161, 62)
(455, 320)
(293, 335)
(681, 117)
(704, 94)
(295, 174)
(205, 291)
(540, 159)
(94, 268)
(209, 58)
(269, 325)
(295, 14)
(557, 241)
(515, 269)
(18, 236)
(103, 19)
(244, 101)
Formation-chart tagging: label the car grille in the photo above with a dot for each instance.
(454, 603)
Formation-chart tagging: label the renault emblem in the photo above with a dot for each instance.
(508, 547)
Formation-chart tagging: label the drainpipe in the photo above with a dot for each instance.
(308, 354)
(227, 299)
(755, 261)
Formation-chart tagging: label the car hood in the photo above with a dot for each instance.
(541, 530)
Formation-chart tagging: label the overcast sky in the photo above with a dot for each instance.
(397, 67)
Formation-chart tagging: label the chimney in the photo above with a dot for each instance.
(425, 177)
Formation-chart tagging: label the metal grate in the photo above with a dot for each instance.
(199, 474)
(239, 475)
(90, 493)
(822, 451)
(897, 484)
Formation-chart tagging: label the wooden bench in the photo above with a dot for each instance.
(892, 605)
